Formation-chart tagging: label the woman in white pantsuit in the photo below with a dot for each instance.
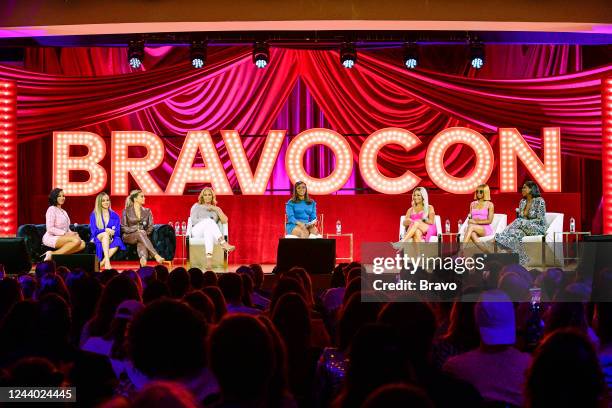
(204, 217)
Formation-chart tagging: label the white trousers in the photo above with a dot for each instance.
(209, 230)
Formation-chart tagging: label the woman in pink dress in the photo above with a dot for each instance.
(420, 218)
(58, 234)
(481, 216)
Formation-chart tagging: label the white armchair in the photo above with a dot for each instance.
(544, 255)
(197, 253)
(500, 222)
(438, 221)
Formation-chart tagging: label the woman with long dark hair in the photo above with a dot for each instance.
(531, 221)
(301, 213)
(58, 234)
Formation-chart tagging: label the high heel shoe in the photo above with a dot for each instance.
(159, 259)
(227, 247)
(143, 261)
(47, 256)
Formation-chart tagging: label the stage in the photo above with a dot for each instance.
(257, 222)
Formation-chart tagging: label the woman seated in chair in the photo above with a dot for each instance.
(58, 234)
(420, 218)
(137, 225)
(480, 217)
(301, 213)
(105, 226)
(204, 218)
(531, 220)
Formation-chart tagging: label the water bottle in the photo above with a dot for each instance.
(177, 228)
(183, 228)
(459, 224)
(338, 227)
(447, 225)
(572, 225)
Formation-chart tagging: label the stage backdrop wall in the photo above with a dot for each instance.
(256, 222)
(520, 86)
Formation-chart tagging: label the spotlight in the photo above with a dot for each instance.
(135, 53)
(198, 54)
(477, 55)
(348, 55)
(411, 56)
(261, 54)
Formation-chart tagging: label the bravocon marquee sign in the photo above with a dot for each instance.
(512, 147)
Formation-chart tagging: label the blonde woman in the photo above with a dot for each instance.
(137, 225)
(105, 226)
(420, 218)
(204, 218)
(481, 216)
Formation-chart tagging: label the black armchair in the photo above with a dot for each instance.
(163, 239)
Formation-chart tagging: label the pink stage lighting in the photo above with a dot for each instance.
(8, 159)
(606, 155)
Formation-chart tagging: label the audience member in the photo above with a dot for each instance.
(154, 290)
(231, 285)
(10, 293)
(496, 368)
(376, 358)
(178, 283)
(166, 341)
(210, 279)
(117, 290)
(245, 374)
(565, 373)
(201, 303)
(215, 294)
(398, 396)
(196, 278)
(164, 394)
(292, 319)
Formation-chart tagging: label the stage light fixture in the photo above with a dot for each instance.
(198, 54)
(411, 56)
(477, 55)
(348, 55)
(136, 53)
(261, 54)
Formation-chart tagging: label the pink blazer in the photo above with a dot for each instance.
(58, 224)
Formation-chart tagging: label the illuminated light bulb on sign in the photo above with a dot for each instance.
(336, 143)
(212, 173)
(368, 161)
(122, 165)
(434, 161)
(63, 163)
(606, 157)
(8, 141)
(512, 146)
(253, 184)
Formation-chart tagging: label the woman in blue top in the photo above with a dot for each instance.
(105, 226)
(301, 213)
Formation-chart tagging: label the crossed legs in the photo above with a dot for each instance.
(304, 231)
(105, 239)
(66, 244)
(416, 231)
(144, 247)
(473, 233)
